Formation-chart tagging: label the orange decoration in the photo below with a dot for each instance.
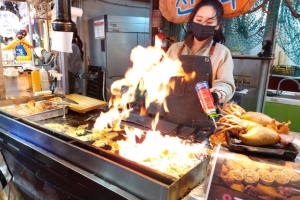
(178, 11)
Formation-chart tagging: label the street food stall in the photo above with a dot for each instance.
(80, 147)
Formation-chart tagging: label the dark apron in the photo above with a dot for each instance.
(183, 102)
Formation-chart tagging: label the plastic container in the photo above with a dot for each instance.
(36, 80)
(44, 79)
(286, 70)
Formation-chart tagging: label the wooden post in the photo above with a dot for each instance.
(2, 85)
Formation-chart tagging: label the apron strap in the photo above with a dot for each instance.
(181, 49)
(212, 48)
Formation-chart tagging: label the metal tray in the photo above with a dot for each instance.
(39, 116)
(289, 152)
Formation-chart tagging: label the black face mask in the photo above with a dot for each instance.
(19, 37)
(202, 32)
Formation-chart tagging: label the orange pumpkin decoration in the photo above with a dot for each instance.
(178, 11)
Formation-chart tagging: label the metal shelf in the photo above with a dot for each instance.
(282, 76)
(251, 57)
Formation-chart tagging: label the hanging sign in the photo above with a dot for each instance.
(99, 29)
(9, 24)
(178, 11)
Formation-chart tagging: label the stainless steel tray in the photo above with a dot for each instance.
(42, 115)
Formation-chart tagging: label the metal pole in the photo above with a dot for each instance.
(30, 33)
(263, 83)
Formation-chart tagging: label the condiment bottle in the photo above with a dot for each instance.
(44, 79)
(206, 100)
(36, 80)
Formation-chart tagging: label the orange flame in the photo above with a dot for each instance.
(151, 73)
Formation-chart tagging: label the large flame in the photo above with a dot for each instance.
(150, 73)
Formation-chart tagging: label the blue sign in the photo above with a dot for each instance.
(232, 2)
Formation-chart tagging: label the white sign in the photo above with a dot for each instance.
(9, 24)
(99, 29)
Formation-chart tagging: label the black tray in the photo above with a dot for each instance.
(289, 152)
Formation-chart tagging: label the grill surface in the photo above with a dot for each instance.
(141, 181)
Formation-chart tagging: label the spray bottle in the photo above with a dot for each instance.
(58, 92)
(206, 100)
(54, 80)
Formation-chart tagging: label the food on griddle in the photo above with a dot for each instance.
(250, 176)
(56, 127)
(265, 177)
(102, 142)
(110, 135)
(280, 178)
(32, 107)
(84, 126)
(252, 128)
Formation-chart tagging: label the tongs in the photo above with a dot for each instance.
(131, 106)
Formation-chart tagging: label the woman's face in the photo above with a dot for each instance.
(206, 15)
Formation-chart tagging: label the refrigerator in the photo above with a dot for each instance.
(111, 39)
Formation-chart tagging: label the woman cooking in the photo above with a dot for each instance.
(201, 52)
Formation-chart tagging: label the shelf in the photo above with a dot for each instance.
(282, 76)
(251, 57)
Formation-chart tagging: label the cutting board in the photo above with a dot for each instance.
(85, 103)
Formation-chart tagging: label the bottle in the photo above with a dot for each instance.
(206, 100)
(58, 92)
(162, 37)
(44, 79)
(36, 80)
(54, 80)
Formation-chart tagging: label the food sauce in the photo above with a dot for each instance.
(36, 80)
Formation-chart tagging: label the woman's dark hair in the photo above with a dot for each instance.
(76, 40)
(218, 36)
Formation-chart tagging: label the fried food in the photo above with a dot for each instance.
(260, 136)
(293, 176)
(250, 176)
(253, 128)
(30, 108)
(237, 175)
(280, 178)
(265, 177)
(270, 191)
(259, 118)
